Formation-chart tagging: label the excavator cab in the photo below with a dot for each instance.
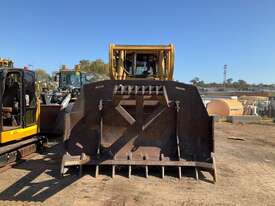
(19, 114)
(18, 100)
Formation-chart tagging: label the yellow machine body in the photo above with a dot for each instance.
(24, 123)
(141, 62)
(6, 63)
(18, 134)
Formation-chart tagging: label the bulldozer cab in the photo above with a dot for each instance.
(18, 100)
(141, 62)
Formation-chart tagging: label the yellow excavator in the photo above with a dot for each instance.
(19, 114)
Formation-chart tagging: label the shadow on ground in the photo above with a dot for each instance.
(43, 180)
(32, 187)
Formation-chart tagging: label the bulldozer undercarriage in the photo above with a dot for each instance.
(140, 123)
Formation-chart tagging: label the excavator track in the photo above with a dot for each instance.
(16, 152)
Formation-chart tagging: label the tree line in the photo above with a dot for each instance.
(230, 83)
(97, 66)
(100, 67)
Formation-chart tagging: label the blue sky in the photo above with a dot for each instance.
(207, 34)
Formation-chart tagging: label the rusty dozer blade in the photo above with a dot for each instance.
(139, 123)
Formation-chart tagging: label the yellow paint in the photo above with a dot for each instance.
(165, 63)
(21, 133)
(37, 118)
(5, 62)
(18, 134)
(77, 68)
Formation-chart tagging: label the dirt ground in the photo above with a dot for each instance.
(245, 156)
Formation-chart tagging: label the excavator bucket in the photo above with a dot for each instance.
(51, 119)
(52, 114)
(139, 123)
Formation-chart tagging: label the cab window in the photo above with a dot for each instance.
(29, 97)
(11, 101)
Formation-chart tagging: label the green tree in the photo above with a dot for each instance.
(201, 83)
(229, 81)
(63, 67)
(41, 75)
(97, 66)
(242, 84)
(195, 80)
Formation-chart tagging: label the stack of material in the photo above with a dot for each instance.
(255, 105)
(225, 107)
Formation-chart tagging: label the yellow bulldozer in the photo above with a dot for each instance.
(140, 118)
